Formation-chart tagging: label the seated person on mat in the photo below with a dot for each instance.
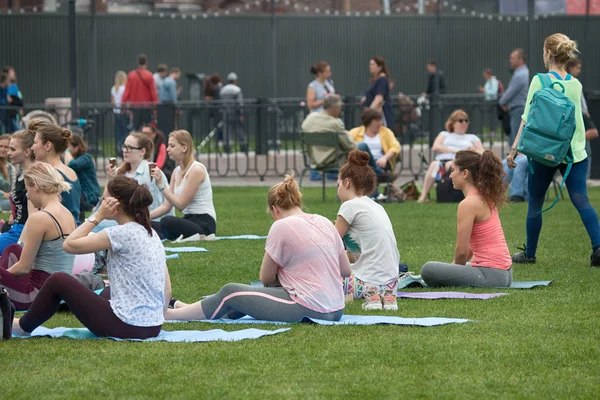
(21, 156)
(446, 145)
(43, 236)
(137, 151)
(78, 159)
(133, 306)
(190, 191)
(480, 233)
(368, 235)
(303, 252)
(380, 142)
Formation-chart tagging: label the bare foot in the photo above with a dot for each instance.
(17, 330)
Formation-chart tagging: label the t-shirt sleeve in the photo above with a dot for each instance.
(534, 86)
(276, 240)
(348, 211)
(381, 87)
(116, 236)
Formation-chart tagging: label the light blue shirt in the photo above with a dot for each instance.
(516, 93)
(490, 89)
(168, 90)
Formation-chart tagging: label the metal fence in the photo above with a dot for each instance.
(262, 137)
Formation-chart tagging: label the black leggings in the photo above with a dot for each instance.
(93, 311)
(190, 224)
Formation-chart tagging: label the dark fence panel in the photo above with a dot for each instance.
(37, 45)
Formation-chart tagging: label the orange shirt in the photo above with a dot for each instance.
(489, 245)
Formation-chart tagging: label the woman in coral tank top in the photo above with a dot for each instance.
(479, 237)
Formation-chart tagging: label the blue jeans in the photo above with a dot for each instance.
(11, 237)
(576, 185)
(517, 178)
(516, 114)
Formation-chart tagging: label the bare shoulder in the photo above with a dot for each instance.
(70, 174)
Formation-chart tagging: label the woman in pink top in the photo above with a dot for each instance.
(304, 254)
(480, 237)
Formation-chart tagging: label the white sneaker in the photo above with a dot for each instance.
(372, 300)
(389, 300)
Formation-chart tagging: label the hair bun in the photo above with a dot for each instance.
(358, 157)
(66, 134)
(35, 124)
(313, 70)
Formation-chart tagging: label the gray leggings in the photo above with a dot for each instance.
(436, 274)
(235, 300)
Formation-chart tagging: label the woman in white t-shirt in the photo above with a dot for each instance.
(190, 191)
(304, 254)
(446, 145)
(133, 306)
(368, 235)
(121, 115)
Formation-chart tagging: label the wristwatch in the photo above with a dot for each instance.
(93, 220)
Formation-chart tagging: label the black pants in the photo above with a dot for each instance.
(190, 224)
(141, 116)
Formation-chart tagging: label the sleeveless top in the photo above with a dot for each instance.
(51, 257)
(322, 90)
(488, 244)
(71, 200)
(202, 203)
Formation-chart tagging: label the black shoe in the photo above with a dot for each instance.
(523, 258)
(595, 258)
(516, 199)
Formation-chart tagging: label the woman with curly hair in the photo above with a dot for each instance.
(480, 237)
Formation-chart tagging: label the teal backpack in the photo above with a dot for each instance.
(547, 135)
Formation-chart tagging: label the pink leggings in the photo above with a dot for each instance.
(93, 311)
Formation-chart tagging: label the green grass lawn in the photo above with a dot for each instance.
(540, 343)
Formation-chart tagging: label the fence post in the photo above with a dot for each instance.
(73, 57)
(261, 127)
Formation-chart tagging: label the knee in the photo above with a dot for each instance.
(362, 146)
(580, 201)
(58, 279)
(229, 289)
(428, 271)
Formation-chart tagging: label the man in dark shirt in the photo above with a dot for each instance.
(140, 88)
(436, 83)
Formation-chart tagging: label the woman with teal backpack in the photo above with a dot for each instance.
(558, 50)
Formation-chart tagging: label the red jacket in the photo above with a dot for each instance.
(140, 87)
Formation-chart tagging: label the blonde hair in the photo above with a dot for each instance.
(561, 48)
(46, 178)
(26, 137)
(185, 139)
(120, 79)
(142, 141)
(456, 115)
(59, 137)
(285, 195)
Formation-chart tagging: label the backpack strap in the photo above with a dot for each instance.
(569, 160)
(545, 80)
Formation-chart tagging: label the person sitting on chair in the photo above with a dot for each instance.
(327, 120)
(381, 144)
(446, 145)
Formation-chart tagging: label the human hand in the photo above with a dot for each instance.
(111, 172)
(510, 159)
(481, 89)
(382, 162)
(108, 209)
(156, 173)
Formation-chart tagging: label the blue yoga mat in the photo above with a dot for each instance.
(529, 284)
(241, 237)
(171, 256)
(186, 249)
(164, 336)
(346, 320)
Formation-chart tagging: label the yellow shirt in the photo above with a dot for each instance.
(388, 140)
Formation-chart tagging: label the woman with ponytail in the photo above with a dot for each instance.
(134, 304)
(368, 235)
(479, 237)
(304, 256)
(558, 51)
(50, 143)
(190, 191)
(41, 254)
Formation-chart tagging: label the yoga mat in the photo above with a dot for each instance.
(164, 336)
(415, 281)
(241, 237)
(346, 320)
(529, 284)
(448, 295)
(171, 256)
(186, 249)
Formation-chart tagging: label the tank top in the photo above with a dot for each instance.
(51, 257)
(488, 244)
(71, 200)
(202, 203)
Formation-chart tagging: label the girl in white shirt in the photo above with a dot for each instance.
(121, 115)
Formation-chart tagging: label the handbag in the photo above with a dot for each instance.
(7, 315)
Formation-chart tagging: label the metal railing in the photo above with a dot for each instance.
(262, 136)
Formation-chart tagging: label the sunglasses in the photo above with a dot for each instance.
(130, 148)
(462, 120)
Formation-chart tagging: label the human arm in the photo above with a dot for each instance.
(535, 85)
(345, 268)
(77, 164)
(31, 239)
(81, 242)
(268, 270)
(341, 225)
(168, 289)
(390, 145)
(311, 95)
(438, 145)
(465, 221)
(195, 177)
(161, 157)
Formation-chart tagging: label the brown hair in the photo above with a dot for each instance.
(456, 115)
(134, 199)
(26, 137)
(144, 142)
(162, 68)
(561, 48)
(521, 53)
(285, 195)
(185, 139)
(357, 169)
(46, 178)
(80, 143)
(142, 59)
(175, 70)
(488, 71)
(59, 137)
(319, 68)
(487, 174)
(369, 115)
(572, 63)
(381, 63)
(4, 161)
